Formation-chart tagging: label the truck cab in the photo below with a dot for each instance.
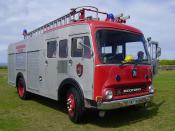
(122, 75)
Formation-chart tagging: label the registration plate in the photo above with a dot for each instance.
(132, 102)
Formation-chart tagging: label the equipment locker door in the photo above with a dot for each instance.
(51, 68)
(81, 66)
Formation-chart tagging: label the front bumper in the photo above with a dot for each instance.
(124, 102)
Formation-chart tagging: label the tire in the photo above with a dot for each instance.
(75, 106)
(21, 89)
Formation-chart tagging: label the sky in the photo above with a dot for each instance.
(154, 18)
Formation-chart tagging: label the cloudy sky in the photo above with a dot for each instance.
(155, 18)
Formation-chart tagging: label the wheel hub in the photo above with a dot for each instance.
(71, 105)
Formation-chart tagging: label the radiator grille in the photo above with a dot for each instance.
(127, 90)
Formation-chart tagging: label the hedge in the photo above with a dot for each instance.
(167, 62)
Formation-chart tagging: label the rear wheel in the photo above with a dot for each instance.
(21, 88)
(75, 105)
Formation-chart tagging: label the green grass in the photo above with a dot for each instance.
(167, 62)
(40, 113)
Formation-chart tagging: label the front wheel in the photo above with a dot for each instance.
(75, 105)
(21, 88)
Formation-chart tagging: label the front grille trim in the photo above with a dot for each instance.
(134, 89)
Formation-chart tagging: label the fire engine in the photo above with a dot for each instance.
(85, 62)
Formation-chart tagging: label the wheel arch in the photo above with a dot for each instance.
(19, 75)
(65, 85)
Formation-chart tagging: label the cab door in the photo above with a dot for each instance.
(51, 68)
(81, 65)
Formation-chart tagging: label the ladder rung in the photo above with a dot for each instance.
(64, 19)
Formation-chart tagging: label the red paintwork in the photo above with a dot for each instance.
(105, 77)
(20, 46)
(99, 24)
(20, 89)
(82, 15)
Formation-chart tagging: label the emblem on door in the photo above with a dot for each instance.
(79, 69)
(134, 72)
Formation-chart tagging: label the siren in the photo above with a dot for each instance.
(118, 18)
(121, 19)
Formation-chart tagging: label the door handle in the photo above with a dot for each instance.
(70, 62)
(46, 62)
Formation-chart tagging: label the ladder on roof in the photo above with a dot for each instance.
(78, 12)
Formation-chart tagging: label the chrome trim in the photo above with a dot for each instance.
(124, 102)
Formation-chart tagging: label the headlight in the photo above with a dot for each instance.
(108, 94)
(151, 89)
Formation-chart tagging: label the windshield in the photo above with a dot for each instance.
(116, 46)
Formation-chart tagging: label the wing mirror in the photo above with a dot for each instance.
(158, 51)
(154, 49)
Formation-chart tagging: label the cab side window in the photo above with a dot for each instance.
(63, 48)
(51, 49)
(87, 47)
(76, 47)
(80, 47)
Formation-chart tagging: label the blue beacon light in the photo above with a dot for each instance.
(110, 17)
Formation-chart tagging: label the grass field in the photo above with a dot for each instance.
(40, 113)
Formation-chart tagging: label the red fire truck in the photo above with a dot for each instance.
(85, 62)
